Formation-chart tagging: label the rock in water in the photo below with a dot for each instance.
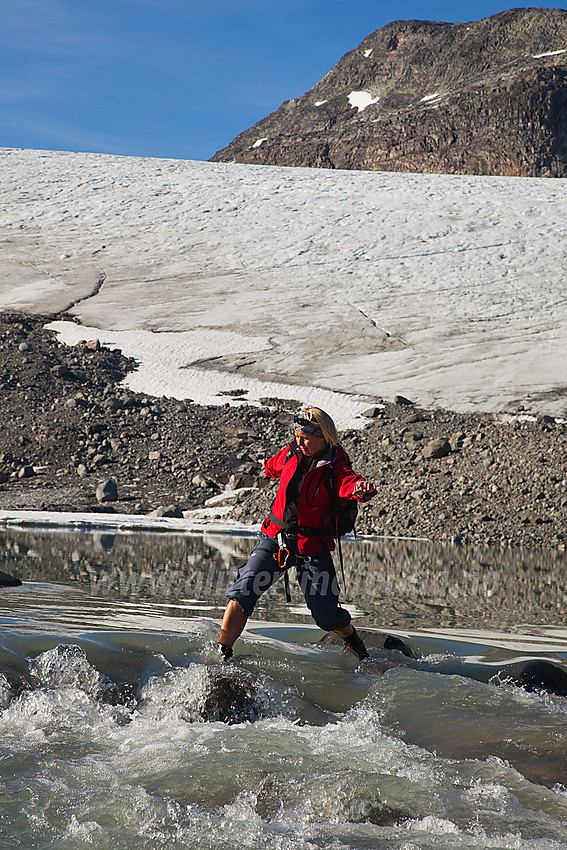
(233, 697)
(9, 581)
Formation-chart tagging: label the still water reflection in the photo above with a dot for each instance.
(400, 584)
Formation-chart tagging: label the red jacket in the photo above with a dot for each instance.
(314, 498)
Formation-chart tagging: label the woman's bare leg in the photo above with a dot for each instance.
(345, 632)
(233, 623)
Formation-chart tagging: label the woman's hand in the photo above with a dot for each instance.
(262, 462)
(364, 489)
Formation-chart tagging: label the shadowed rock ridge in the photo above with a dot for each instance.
(483, 97)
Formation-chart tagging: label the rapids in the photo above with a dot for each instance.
(121, 729)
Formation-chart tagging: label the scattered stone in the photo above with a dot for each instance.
(93, 345)
(529, 517)
(436, 449)
(26, 472)
(60, 371)
(402, 400)
(500, 469)
(3, 477)
(107, 491)
(372, 412)
(243, 479)
(154, 455)
(24, 346)
(411, 436)
(171, 511)
(456, 441)
(77, 375)
(113, 404)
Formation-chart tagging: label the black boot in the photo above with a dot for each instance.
(225, 650)
(356, 644)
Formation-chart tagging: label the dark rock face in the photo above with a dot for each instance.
(486, 97)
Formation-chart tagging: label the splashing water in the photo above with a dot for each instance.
(125, 736)
(163, 770)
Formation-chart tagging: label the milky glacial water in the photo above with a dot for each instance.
(120, 729)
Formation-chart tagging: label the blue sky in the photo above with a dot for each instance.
(176, 78)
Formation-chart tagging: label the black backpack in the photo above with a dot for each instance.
(344, 512)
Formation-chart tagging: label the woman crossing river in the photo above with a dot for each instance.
(298, 530)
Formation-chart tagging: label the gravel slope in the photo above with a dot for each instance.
(68, 426)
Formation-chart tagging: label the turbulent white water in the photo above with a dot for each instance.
(120, 729)
(152, 773)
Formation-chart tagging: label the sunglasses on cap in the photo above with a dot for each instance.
(307, 427)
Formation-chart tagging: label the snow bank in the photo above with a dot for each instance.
(361, 99)
(447, 289)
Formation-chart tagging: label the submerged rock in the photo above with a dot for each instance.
(233, 697)
(8, 580)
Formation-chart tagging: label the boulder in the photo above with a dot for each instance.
(172, 511)
(529, 517)
(200, 480)
(107, 491)
(436, 448)
(372, 412)
(60, 371)
(113, 404)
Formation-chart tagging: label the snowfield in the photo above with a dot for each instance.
(334, 286)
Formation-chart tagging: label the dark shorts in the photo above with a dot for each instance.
(315, 575)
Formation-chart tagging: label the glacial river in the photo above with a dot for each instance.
(120, 729)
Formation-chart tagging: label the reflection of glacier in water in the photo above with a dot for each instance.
(390, 583)
(112, 701)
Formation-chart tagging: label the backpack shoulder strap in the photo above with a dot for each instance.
(329, 479)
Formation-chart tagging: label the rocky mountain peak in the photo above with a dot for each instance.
(484, 97)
